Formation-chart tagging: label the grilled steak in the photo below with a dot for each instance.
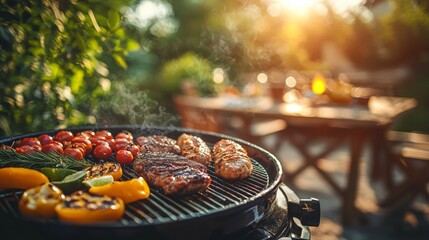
(195, 149)
(231, 161)
(157, 143)
(175, 174)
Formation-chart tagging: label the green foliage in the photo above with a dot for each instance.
(188, 67)
(56, 59)
(405, 33)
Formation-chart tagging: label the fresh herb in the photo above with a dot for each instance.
(37, 160)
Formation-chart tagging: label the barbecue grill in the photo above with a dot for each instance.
(260, 207)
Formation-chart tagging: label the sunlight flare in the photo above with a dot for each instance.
(300, 7)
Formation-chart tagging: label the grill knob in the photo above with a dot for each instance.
(310, 212)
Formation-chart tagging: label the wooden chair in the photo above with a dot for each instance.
(197, 118)
(410, 156)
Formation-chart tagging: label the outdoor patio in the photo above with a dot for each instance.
(414, 224)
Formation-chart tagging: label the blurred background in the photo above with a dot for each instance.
(66, 62)
(99, 62)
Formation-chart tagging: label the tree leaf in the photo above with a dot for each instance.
(113, 18)
(76, 80)
(120, 60)
(54, 70)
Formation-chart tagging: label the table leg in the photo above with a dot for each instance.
(375, 155)
(349, 209)
(380, 168)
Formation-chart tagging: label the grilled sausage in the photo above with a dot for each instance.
(231, 161)
(195, 149)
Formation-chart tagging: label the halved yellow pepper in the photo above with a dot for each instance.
(21, 178)
(129, 191)
(40, 201)
(82, 207)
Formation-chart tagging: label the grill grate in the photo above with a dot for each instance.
(226, 207)
(159, 208)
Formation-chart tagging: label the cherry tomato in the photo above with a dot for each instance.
(123, 140)
(53, 147)
(124, 157)
(87, 144)
(28, 141)
(37, 147)
(102, 152)
(121, 144)
(112, 144)
(95, 141)
(134, 149)
(25, 149)
(74, 152)
(79, 146)
(125, 134)
(19, 150)
(104, 133)
(7, 147)
(45, 139)
(87, 134)
(63, 136)
(58, 143)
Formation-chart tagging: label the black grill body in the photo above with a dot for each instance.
(227, 210)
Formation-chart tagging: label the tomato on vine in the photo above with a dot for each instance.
(134, 149)
(45, 139)
(121, 144)
(102, 151)
(87, 145)
(25, 149)
(104, 133)
(63, 136)
(125, 134)
(124, 157)
(74, 152)
(53, 147)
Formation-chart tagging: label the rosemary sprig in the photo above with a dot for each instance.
(10, 158)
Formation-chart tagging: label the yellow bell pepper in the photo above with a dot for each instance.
(21, 178)
(40, 201)
(129, 191)
(82, 207)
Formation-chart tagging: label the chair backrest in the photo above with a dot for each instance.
(196, 118)
(409, 137)
(412, 145)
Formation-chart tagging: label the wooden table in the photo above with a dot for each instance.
(340, 123)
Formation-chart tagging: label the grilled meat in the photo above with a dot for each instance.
(157, 143)
(231, 161)
(175, 174)
(195, 149)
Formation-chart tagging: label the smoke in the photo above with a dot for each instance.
(126, 104)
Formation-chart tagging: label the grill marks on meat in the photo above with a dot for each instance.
(174, 174)
(180, 167)
(231, 161)
(157, 143)
(195, 149)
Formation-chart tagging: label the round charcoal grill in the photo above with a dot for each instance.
(227, 208)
